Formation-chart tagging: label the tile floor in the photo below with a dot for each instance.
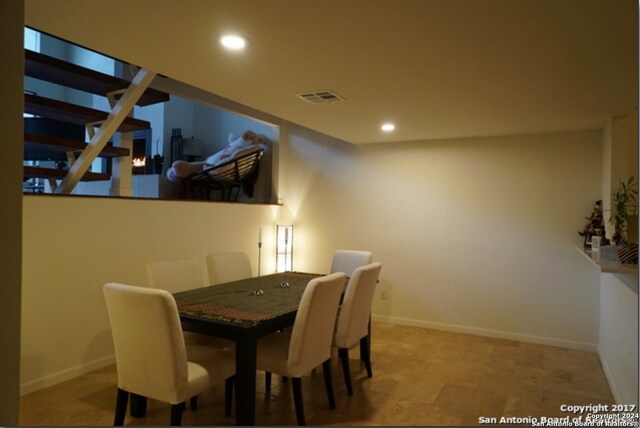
(421, 377)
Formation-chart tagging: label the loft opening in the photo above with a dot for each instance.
(68, 90)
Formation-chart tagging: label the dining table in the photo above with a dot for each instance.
(244, 311)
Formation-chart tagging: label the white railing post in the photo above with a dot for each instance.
(109, 127)
(121, 170)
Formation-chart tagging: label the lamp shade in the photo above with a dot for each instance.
(284, 247)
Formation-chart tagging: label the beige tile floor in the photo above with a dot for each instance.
(421, 377)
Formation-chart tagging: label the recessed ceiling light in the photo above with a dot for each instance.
(388, 127)
(233, 42)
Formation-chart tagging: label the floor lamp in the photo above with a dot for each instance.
(284, 247)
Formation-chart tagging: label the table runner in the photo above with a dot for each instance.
(247, 301)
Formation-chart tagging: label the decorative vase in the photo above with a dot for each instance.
(157, 164)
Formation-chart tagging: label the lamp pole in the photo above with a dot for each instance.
(259, 248)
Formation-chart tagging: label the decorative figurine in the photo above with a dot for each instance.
(595, 226)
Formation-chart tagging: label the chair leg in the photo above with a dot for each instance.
(296, 384)
(267, 381)
(228, 394)
(194, 403)
(328, 384)
(176, 414)
(365, 353)
(138, 406)
(343, 354)
(121, 407)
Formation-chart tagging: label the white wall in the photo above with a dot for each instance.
(618, 347)
(154, 114)
(212, 127)
(624, 150)
(607, 142)
(11, 108)
(206, 130)
(73, 245)
(619, 160)
(618, 339)
(474, 235)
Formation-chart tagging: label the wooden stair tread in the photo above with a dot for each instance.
(35, 171)
(66, 112)
(65, 145)
(64, 73)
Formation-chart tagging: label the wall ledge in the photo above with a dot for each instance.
(628, 274)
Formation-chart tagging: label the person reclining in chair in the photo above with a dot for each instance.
(237, 146)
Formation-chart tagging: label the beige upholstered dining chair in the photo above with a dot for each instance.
(152, 359)
(353, 318)
(181, 275)
(348, 260)
(177, 275)
(309, 343)
(227, 267)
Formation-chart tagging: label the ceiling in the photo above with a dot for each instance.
(436, 68)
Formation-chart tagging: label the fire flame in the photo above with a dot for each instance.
(137, 162)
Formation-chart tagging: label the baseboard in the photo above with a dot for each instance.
(64, 375)
(499, 334)
(607, 373)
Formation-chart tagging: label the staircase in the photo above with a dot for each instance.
(60, 133)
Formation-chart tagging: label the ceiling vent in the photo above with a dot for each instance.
(320, 97)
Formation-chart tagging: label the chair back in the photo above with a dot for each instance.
(348, 260)
(150, 352)
(227, 267)
(353, 318)
(313, 328)
(177, 275)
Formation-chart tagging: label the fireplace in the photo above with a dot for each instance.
(139, 157)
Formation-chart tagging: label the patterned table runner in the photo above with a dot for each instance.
(247, 301)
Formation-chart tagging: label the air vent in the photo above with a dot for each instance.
(319, 97)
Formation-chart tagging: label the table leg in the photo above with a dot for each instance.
(246, 348)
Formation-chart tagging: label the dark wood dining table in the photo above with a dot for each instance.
(244, 311)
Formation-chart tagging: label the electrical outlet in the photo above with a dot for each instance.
(383, 295)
